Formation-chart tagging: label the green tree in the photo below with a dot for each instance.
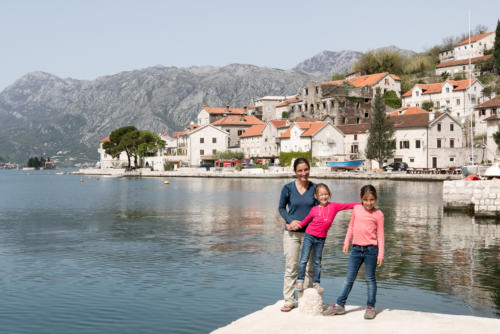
(121, 140)
(391, 99)
(381, 144)
(496, 138)
(496, 47)
(427, 105)
(148, 144)
(338, 76)
(381, 61)
(228, 155)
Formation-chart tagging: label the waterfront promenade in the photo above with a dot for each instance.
(273, 172)
(271, 320)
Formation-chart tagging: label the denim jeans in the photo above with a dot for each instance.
(314, 244)
(360, 254)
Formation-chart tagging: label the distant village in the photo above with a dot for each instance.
(332, 119)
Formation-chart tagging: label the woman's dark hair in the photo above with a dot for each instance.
(368, 189)
(299, 161)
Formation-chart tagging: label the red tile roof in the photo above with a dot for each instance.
(474, 38)
(408, 111)
(104, 140)
(193, 126)
(285, 134)
(364, 80)
(286, 102)
(180, 133)
(436, 88)
(253, 131)
(491, 103)
(350, 129)
(492, 118)
(238, 120)
(411, 121)
(463, 61)
(279, 123)
(314, 129)
(222, 110)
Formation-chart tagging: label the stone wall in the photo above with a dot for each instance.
(482, 197)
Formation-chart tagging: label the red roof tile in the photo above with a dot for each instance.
(436, 88)
(238, 120)
(313, 129)
(285, 134)
(222, 110)
(286, 102)
(408, 111)
(350, 129)
(255, 130)
(463, 61)
(491, 103)
(104, 140)
(411, 121)
(279, 123)
(474, 38)
(364, 80)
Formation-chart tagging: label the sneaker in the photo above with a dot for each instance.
(370, 313)
(318, 287)
(335, 309)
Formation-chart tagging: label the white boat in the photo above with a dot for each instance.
(493, 171)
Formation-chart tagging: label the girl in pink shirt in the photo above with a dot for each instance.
(366, 229)
(320, 219)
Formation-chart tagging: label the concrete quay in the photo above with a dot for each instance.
(273, 172)
(481, 198)
(387, 321)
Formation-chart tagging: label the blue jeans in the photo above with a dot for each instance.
(360, 254)
(314, 244)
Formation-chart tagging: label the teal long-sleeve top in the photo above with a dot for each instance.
(293, 205)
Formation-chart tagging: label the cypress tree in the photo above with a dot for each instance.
(381, 144)
(496, 48)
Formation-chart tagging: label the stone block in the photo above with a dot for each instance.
(311, 302)
(492, 195)
(497, 201)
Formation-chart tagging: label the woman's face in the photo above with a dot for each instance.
(302, 171)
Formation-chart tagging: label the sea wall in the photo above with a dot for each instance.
(482, 198)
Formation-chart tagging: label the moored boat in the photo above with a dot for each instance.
(351, 164)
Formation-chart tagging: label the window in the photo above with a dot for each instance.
(437, 104)
(227, 130)
(412, 159)
(447, 89)
(493, 111)
(417, 104)
(404, 144)
(439, 126)
(202, 152)
(386, 81)
(452, 159)
(317, 90)
(240, 132)
(307, 91)
(439, 143)
(202, 140)
(451, 127)
(357, 120)
(452, 143)
(417, 93)
(355, 137)
(354, 148)
(448, 102)
(417, 143)
(345, 120)
(482, 112)
(214, 140)
(458, 102)
(324, 105)
(366, 115)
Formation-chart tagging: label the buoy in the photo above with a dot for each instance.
(81, 179)
(165, 181)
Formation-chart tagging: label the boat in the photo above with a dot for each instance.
(351, 164)
(493, 171)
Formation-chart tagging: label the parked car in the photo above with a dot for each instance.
(397, 166)
(206, 166)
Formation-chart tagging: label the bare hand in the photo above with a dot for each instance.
(294, 226)
(345, 249)
(380, 262)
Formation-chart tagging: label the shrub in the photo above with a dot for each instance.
(284, 115)
(391, 99)
(427, 105)
(168, 165)
(287, 157)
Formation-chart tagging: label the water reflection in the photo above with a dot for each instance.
(138, 246)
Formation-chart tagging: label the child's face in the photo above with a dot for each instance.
(368, 201)
(322, 195)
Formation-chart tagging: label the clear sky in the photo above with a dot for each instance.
(90, 38)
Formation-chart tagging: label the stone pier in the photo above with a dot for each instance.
(482, 198)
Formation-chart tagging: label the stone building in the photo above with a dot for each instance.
(484, 111)
(261, 141)
(208, 115)
(235, 126)
(478, 44)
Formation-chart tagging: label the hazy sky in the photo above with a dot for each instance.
(88, 38)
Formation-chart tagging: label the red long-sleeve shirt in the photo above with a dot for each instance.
(366, 228)
(320, 218)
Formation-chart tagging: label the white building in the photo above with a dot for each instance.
(251, 141)
(355, 140)
(478, 44)
(265, 107)
(208, 115)
(203, 142)
(385, 81)
(462, 65)
(449, 95)
(107, 161)
(493, 126)
(324, 140)
(484, 111)
(235, 126)
(261, 141)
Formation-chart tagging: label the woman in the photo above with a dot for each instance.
(297, 199)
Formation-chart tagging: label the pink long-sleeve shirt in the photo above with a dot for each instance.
(320, 218)
(366, 228)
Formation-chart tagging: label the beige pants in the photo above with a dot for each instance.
(292, 244)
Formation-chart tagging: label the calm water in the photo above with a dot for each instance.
(136, 256)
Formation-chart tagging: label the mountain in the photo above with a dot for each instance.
(41, 114)
(393, 48)
(326, 63)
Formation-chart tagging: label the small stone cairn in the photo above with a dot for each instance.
(311, 302)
